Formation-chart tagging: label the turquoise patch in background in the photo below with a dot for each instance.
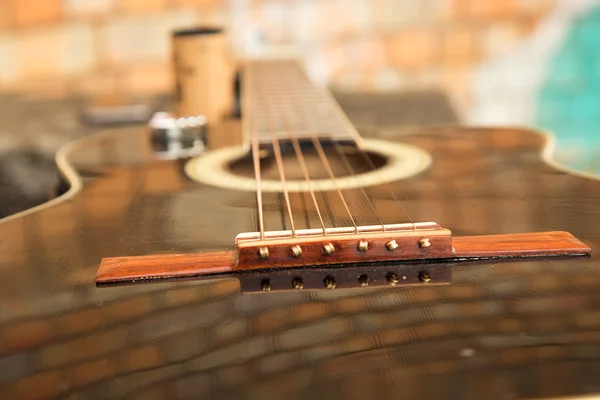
(569, 100)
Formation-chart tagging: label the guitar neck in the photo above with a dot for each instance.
(280, 102)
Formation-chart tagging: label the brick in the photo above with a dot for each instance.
(15, 367)
(147, 79)
(424, 295)
(476, 10)
(185, 345)
(122, 388)
(509, 325)
(234, 375)
(192, 387)
(127, 309)
(414, 49)
(322, 352)
(160, 392)
(545, 323)
(34, 12)
(48, 88)
(177, 297)
(192, 3)
(390, 299)
(463, 292)
(142, 6)
(515, 356)
(458, 9)
(358, 343)
(86, 8)
(439, 368)
(544, 304)
(223, 287)
(434, 330)
(94, 371)
(588, 319)
(78, 48)
(351, 305)
(305, 312)
(59, 51)
(6, 14)
(140, 358)
(271, 320)
(231, 330)
(460, 46)
(178, 320)
(552, 352)
(25, 335)
(79, 321)
(143, 37)
(236, 353)
(354, 363)
(47, 384)
(395, 336)
(369, 322)
(39, 53)
(494, 10)
(312, 334)
(276, 363)
(86, 347)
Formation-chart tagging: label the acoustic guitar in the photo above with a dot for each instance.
(296, 258)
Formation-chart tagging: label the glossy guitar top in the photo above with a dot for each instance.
(501, 330)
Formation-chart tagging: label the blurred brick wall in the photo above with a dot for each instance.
(103, 46)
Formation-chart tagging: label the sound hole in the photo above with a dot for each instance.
(344, 161)
(232, 167)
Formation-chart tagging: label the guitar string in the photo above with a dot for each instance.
(300, 156)
(324, 160)
(326, 94)
(327, 166)
(350, 169)
(365, 155)
(373, 168)
(303, 167)
(255, 160)
(280, 168)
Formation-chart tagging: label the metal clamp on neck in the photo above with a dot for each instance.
(177, 136)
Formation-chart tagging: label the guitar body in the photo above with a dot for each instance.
(526, 329)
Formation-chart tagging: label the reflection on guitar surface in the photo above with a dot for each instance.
(502, 329)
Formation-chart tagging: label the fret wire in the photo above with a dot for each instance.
(325, 161)
(319, 148)
(281, 170)
(304, 168)
(346, 162)
(326, 94)
(288, 81)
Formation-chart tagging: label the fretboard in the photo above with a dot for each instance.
(280, 101)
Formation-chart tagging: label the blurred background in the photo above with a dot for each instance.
(495, 62)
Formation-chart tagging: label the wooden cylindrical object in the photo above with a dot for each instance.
(203, 74)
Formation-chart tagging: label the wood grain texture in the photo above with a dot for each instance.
(528, 322)
(120, 269)
(123, 269)
(519, 245)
